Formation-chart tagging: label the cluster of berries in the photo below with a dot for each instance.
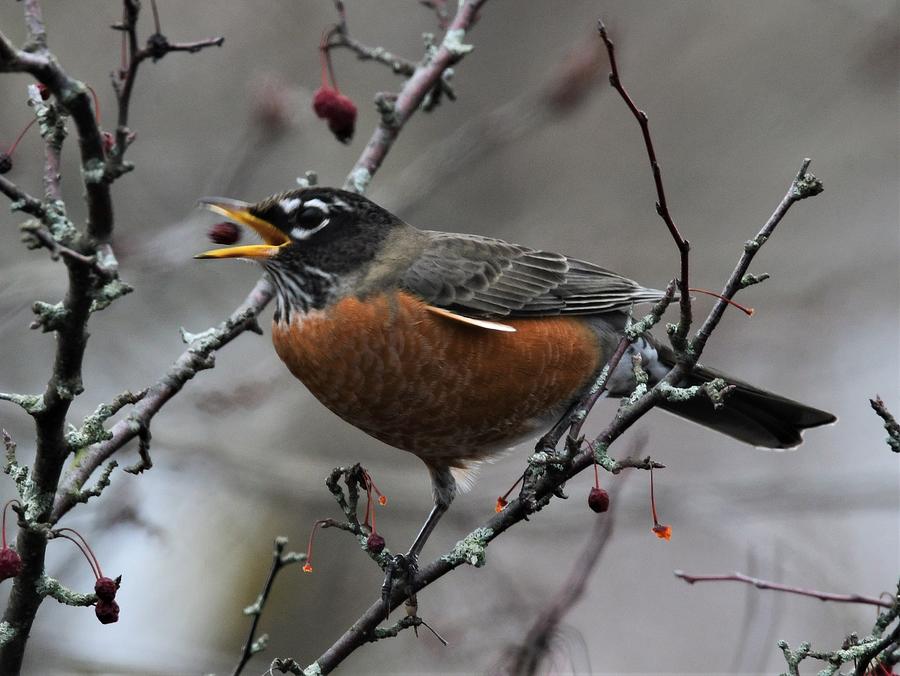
(374, 542)
(598, 501)
(105, 608)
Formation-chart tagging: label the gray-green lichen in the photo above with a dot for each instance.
(7, 633)
(471, 549)
(715, 390)
(109, 292)
(93, 171)
(50, 316)
(31, 403)
(454, 44)
(313, 670)
(750, 279)
(308, 180)
(805, 186)
(359, 180)
(49, 586)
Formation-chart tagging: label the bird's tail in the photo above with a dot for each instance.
(750, 414)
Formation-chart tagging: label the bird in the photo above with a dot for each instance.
(454, 347)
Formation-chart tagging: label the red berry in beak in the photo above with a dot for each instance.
(224, 233)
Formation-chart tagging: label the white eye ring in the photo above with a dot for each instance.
(300, 233)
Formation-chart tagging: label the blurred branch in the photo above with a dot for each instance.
(527, 657)
(253, 645)
(765, 584)
(566, 88)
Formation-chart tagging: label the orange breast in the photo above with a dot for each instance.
(441, 389)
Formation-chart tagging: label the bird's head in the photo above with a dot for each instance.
(316, 241)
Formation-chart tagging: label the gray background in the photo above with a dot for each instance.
(738, 94)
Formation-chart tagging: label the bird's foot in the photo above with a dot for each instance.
(402, 569)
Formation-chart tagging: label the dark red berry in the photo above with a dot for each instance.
(107, 611)
(224, 233)
(598, 500)
(375, 543)
(105, 588)
(338, 110)
(44, 91)
(5, 163)
(10, 563)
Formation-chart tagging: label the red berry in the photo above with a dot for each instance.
(224, 233)
(106, 588)
(10, 563)
(598, 500)
(338, 110)
(107, 611)
(375, 543)
(44, 91)
(5, 163)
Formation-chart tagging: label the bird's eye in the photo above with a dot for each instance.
(310, 217)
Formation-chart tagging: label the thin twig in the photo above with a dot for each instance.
(765, 584)
(252, 645)
(662, 205)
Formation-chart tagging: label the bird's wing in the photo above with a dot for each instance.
(488, 277)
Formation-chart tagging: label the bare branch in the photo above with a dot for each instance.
(765, 584)
(662, 206)
(199, 356)
(253, 645)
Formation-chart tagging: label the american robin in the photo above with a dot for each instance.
(454, 347)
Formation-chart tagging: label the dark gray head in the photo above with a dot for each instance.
(317, 240)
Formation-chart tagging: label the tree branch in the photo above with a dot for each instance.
(423, 80)
(765, 584)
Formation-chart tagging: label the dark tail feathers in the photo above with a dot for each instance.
(750, 414)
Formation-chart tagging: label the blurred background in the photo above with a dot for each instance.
(539, 150)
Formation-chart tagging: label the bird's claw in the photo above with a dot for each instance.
(401, 568)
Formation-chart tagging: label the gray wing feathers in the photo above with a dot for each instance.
(483, 276)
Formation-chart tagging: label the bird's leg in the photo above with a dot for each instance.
(406, 566)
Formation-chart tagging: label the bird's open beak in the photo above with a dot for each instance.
(239, 212)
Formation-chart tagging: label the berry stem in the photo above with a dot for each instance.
(325, 56)
(743, 308)
(653, 499)
(5, 507)
(22, 133)
(96, 103)
(85, 549)
(596, 476)
(307, 568)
